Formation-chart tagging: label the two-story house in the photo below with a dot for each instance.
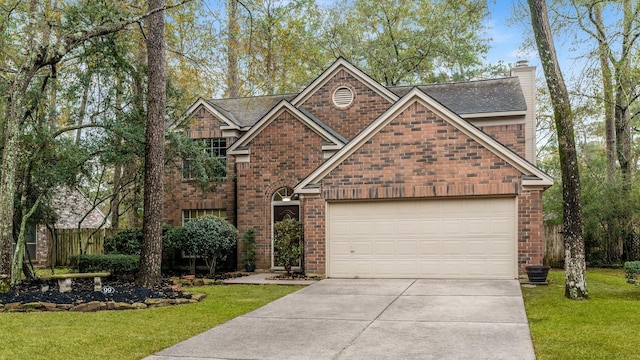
(411, 181)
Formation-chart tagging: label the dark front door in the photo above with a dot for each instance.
(283, 212)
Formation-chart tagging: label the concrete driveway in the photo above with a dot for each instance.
(375, 319)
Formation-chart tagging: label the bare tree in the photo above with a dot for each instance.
(575, 267)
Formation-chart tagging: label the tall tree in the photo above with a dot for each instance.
(607, 93)
(151, 255)
(55, 30)
(232, 50)
(616, 42)
(278, 45)
(399, 42)
(575, 266)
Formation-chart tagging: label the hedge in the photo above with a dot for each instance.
(118, 265)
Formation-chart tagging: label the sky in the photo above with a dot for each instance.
(507, 39)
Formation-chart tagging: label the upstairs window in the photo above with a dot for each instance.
(213, 147)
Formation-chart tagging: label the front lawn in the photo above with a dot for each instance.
(604, 327)
(131, 334)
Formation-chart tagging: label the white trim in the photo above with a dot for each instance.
(307, 191)
(516, 243)
(494, 122)
(493, 114)
(417, 95)
(229, 132)
(212, 110)
(342, 64)
(273, 114)
(244, 158)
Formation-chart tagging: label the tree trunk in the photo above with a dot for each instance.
(232, 50)
(614, 238)
(575, 267)
(623, 123)
(608, 99)
(10, 152)
(623, 86)
(151, 257)
(115, 197)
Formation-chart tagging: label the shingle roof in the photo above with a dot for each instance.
(73, 207)
(247, 111)
(475, 97)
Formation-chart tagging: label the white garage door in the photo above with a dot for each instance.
(454, 238)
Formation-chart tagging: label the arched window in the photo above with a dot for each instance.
(284, 194)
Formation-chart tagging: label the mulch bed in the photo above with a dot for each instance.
(82, 292)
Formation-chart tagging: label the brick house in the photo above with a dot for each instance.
(413, 181)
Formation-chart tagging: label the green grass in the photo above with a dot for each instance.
(607, 326)
(131, 334)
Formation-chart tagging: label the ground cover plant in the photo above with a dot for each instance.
(604, 327)
(131, 334)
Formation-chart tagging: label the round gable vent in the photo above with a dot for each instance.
(342, 97)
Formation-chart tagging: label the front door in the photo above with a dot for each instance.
(285, 206)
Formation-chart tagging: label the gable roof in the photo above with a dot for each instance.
(316, 125)
(533, 175)
(72, 207)
(464, 98)
(474, 97)
(337, 66)
(245, 112)
(224, 116)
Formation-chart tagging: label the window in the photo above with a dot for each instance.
(213, 147)
(189, 214)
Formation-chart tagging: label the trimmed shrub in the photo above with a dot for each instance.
(172, 237)
(288, 241)
(119, 265)
(210, 238)
(631, 271)
(126, 242)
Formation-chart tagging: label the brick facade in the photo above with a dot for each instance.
(512, 136)
(367, 105)
(281, 155)
(417, 154)
(181, 194)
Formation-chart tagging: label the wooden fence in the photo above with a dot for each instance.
(553, 245)
(68, 242)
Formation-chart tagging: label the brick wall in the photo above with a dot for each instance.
(512, 136)
(43, 245)
(367, 105)
(181, 194)
(315, 246)
(530, 229)
(281, 155)
(418, 154)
